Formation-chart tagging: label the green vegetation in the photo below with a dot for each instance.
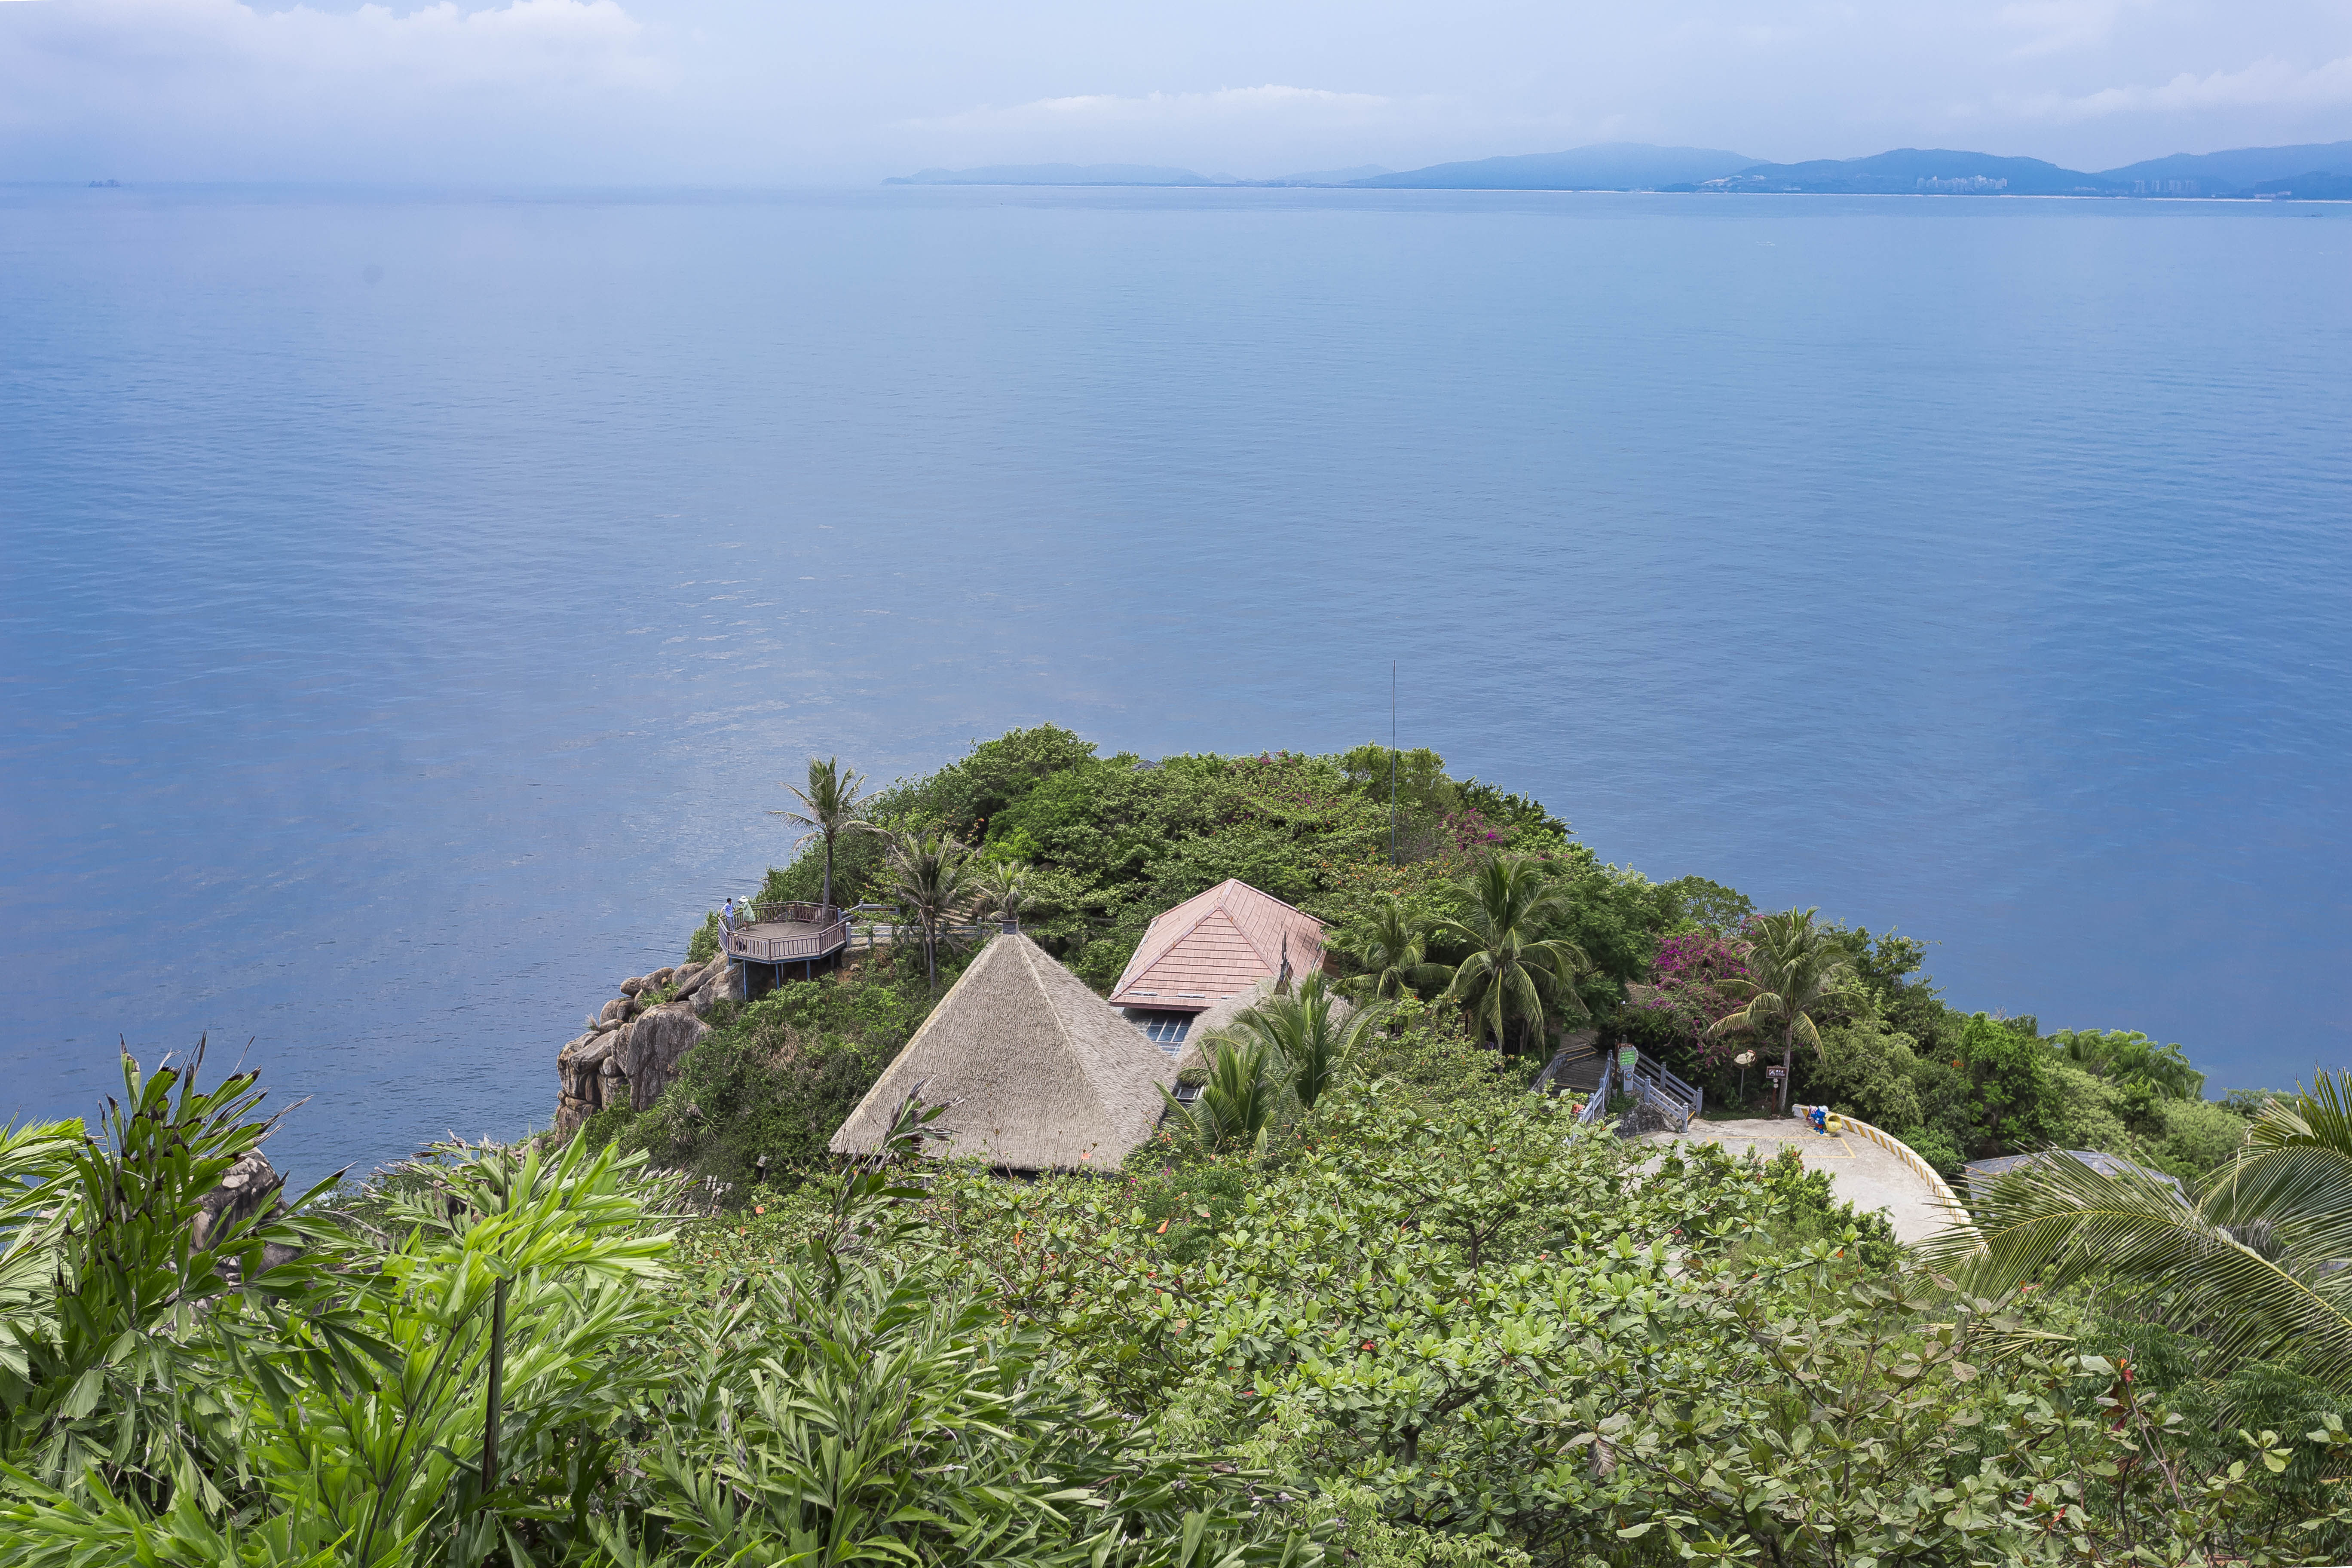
(1510, 965)
(1794, 967)
(1365, 1301)
(489, 1358)
(775, 1076)
(828, 808)
(1425, 1320)
(1492, 905)
(2256, 1259)
(930, 881)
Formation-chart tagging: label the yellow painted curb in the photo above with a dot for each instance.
(1919, 1167)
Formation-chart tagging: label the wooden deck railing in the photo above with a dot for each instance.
(791, 912)
(827, 933)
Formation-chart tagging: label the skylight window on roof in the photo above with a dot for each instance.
(1164, 1029)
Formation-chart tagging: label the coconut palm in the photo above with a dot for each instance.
(1392, 947)
(931, 874)
(1236, 1105)
(2252, 1252)
(828, 809)
(1794, 969)
(1310, 1034)
(1510, 967)
(1002, 891)
(2131, 1060)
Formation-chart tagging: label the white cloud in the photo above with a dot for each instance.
(2268, 83)
(2060, 25)
(217, 88)
(209, 46)
(1223, 106)
(651, 90)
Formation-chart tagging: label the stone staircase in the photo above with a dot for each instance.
(1578, 1067)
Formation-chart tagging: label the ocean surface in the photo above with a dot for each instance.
(409, 603)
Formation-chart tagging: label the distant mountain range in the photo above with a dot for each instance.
(2317, 171)
(1118, 174)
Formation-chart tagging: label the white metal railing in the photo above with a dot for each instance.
(1598, 1105)
(1648, 1070)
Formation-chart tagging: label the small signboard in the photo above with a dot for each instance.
(1776, 1074)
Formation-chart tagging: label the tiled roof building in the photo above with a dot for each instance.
(1222, 944)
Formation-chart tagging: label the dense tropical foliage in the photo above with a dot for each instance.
(1425, 1321)
(828, 808)
(1364, 1299)
(2253, 1253)
(1487, 884)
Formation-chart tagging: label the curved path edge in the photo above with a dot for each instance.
(1919, 1167)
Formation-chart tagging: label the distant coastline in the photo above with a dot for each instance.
(2314, 172)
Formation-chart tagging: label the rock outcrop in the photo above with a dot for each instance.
(247, 1191)
(631, 1051)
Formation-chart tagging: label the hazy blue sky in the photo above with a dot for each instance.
(764, 90)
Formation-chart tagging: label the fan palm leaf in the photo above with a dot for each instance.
(1235, 1107)
(1310, 1034)
(1794, 969)
(1003, 890)
(930, 875)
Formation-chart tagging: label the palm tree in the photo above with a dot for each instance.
(1793, 968)
(1236, 1105)
(1001, 889)
(1394, 949)
(2252, 1252)
(930, 875)
(2131, 1060)
(1309, 1041)
(1510, 966)
(828, 809)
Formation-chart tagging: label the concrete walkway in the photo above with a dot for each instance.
(1861, 1173)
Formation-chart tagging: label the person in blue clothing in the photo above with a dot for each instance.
(1819, 1118)
(727, 915)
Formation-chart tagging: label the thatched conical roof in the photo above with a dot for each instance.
(1037, 1071)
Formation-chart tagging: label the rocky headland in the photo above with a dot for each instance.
(633, 1046)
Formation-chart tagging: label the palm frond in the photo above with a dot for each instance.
(2056, 1220)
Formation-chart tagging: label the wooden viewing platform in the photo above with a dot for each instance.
(783, 933)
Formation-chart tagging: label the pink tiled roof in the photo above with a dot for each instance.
(1217, 944)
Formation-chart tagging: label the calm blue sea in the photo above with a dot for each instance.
(408, 605)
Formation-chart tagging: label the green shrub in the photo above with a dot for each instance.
(1869, 1070)
(2085, 1113)
(1809, 1213)
(1936, 1146)
(2195, 1136)
(612, 1122)
(776, 1078)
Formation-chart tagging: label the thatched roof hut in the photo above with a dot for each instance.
(1038, 1072)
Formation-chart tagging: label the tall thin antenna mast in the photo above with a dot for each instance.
(1392, 760)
